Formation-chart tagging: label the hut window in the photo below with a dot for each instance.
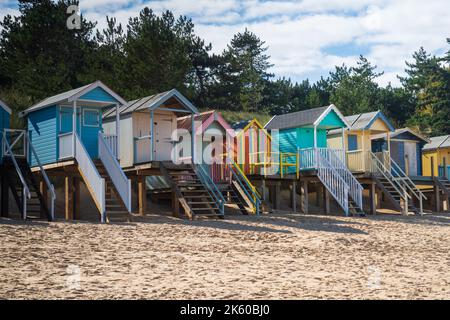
(91, 118)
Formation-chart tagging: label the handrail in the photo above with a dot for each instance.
(91, 176)
(114, 170)
(386, 173)
(44, 175)
(355, 188)
(214, 191)
(242, 179)
(332, 180)
(25, 191)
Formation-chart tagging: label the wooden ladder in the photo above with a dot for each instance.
(190, 192)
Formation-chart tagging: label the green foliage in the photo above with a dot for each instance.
(40, 57)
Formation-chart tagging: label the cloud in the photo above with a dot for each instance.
(300, 33)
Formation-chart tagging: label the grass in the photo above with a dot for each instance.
(236, 116)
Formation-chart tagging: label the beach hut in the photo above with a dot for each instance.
(5, 119)
(305, 133)
(66, 133)
(215, 137)
(405, 148)
(357, 140)
(252, 146)
(436, 157)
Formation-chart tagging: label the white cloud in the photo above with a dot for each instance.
(298, 33)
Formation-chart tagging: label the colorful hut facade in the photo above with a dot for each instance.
(148, 127)
(5, 121)
(436, 157)
(357, 140)
(252, 146)
(405, 148)
(214, 139)
(305, 131)
(65, 131)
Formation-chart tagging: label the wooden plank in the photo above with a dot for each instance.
(294, 196)
(373, 199)
(77, 197)
(177, 191)
(437, 199)
(69, 197)
(304, 196)
(142, 195)
(326, 201)
(43, 189)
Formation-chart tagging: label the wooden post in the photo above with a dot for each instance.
(319, 195)
(77, 198)
(142, 195)
(74, 126)
(152, 135)
(5, 197)
(304, 196)
(373, 199)
(264, 189)
(117, 132)
(437, 199)
(175, 205)
(326, 201)
(277, 195)
(43, 191)
(69, 197)
(294, 196)
(193, 132)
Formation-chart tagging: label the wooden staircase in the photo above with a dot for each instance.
(354, 209)
(444, 184)
(114, 207)
(392, 194)
(194, 197)
(234, 196)
(35, 207)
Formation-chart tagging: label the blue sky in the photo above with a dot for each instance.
(306, 38)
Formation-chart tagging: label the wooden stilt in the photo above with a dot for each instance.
(294, 196)
(175, 205)
(77, 198)
(319, 195)
(4, 197)
(373, 199)
(264, 189)
(277, 195)
(69, 197)
(304, 197)
(43, 190)
(437, 199)
(326, 202)
(142, 195)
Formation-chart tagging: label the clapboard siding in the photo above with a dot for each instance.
(98, 94)
(42, 127)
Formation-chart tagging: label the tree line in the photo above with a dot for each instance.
(40, 56)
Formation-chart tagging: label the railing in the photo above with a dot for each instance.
(66, 145)
(379, 167)
(18, 146)
(115, 172)
(248, 188)
(275, 162)
(112, 143)
(94, 181)
(307, 158)
(8, 152)
(332, 180)
(212, 188)
(408, 183)
(334, 157)
(50, 186)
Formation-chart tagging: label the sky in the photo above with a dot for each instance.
(305, 38)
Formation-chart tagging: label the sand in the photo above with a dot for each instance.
(269, 257)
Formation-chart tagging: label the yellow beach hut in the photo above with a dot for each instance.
(436, 157)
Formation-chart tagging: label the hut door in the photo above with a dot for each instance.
(163, 139)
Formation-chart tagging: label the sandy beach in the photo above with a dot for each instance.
(269, 257)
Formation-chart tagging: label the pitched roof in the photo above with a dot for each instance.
(238, 126)
(151, 103)
(438, 142)
(398, 132)
(5, 106)
(363, 121)
(186, 122)
(302, 118)
(70, 96)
